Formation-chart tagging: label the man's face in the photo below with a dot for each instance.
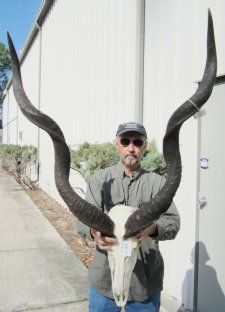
(130, 147)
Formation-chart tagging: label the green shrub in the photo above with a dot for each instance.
(28, 153)
(11, 150)
(152, 160)
(17, 151)
(88, 158)
(13, 155)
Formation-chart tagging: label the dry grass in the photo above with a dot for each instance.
(64, 222)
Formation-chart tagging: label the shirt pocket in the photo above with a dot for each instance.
(112, 195)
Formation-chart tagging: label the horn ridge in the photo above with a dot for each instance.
(84, 211)
(152, 210)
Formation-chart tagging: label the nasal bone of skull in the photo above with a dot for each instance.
(123, 255)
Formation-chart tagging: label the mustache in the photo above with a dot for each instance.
(130, 154)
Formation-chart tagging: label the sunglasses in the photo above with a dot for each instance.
(135, 142)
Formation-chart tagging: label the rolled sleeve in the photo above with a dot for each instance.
(168, 224)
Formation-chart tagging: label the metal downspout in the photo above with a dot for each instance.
(196, 248)
(39, 101)
(8, 138)
(17, 125)
(139, 66)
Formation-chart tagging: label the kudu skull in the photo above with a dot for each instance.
(123, 255)
(149, 211)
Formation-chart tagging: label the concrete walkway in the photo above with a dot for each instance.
(37, 269)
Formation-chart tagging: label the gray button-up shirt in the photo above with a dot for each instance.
(110, 187)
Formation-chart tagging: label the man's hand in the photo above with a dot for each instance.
(151, 230)
(103, 242)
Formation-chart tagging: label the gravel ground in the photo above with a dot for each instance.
(64, 222)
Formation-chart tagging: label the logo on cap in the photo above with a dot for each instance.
(131, 126)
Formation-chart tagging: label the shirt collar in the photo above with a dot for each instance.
(122, 174)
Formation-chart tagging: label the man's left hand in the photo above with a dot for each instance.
(151, 230)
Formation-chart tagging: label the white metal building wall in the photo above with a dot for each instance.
(88, 72)
(88, 82)
(88, 67)
(16, 128)
(175, 53)
(10, 119)
(88, 59)
(28, 133)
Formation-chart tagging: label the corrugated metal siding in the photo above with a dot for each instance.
(175, 54)
(17, 129)
(170, 73)
(30, 75)
(10, 119)
(5, 118)
(170, 67)
(88, 63)
(90, 48)
(88, 73)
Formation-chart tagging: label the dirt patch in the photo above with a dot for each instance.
(64, 222)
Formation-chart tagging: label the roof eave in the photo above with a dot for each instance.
(44, 9)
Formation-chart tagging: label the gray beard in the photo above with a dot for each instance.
(130, 162)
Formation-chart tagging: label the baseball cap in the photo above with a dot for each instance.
(131, 127)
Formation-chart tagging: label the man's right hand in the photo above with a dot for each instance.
(103, 242)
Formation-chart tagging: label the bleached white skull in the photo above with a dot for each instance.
(123, 255)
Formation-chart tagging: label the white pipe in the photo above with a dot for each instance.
(139, 71)
(39, 100)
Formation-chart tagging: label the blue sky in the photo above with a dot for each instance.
(17, 16)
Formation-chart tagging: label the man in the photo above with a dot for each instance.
(127, 183)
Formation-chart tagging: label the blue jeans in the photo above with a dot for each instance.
(100, 303)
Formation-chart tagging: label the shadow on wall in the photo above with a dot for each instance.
(210, 296)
